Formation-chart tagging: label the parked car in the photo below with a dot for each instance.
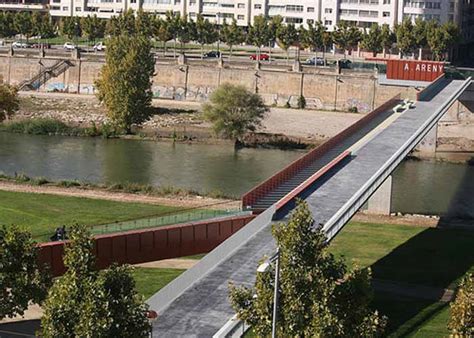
(69, 46)
(212, 54)
(41, 45)
(2, 43)
(19, 44)
(260, 57)
(344, 63)
(99, 47)
(315, 61)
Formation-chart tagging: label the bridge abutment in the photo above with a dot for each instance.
(381, 201)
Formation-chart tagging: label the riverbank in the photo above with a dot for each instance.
(174, 198)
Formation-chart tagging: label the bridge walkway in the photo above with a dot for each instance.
(203, 307)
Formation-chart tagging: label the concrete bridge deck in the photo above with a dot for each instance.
(202, 308)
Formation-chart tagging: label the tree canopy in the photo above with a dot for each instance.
(9, 102)
(233, 110)
(318, 295)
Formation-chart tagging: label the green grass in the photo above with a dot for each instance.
(427, 256)
(42, 214)
(151, 280)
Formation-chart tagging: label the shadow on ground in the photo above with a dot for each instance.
(436, 257)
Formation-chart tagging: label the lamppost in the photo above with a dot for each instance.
(218, 19)
(264, 268)
(40, 74)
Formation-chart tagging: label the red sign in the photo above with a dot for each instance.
(414, 70)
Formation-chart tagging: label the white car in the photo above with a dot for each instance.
(2, 43)
(18, 44)
(99, 47)
(69, 46)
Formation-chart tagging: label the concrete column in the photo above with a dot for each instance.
(428, 145)
(381, 201)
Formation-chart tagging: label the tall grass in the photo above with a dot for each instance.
(44, 126)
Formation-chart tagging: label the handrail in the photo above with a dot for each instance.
(313, 178)
(337, 221)
(249, 198)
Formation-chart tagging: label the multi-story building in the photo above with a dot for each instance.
(361, 12)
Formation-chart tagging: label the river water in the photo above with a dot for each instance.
(418, 186)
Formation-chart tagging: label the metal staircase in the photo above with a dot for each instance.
(47, 73)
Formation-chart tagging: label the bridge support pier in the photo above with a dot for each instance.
(381, 201)
(428, 145)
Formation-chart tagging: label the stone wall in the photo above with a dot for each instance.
(195, 83)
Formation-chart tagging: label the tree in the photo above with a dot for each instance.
(372, 40)
(7, 26)
(287, 36)
(124, 83)
(186, 31)
(162, 32)
(318, 295)
(144, 23)
(419, 33)
(9, 102)
(21, 281)
(86, 303)
(232, 34)
(387, 38)
(405, 38)
(442, 38)
(327, 41)
(205, 32)
(24, 24)
(173, 22)
(346, 36)
(125, 23)
(462, 309)
(313, 38)
(259, 33)
(71, 27)
(233, 110)
(92, 27)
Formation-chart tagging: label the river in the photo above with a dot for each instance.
(418, 187)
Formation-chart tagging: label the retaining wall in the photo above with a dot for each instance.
(147, 245)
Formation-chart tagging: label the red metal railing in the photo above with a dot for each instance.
(313, 178)
(147, 245)
(423, 94)
(293, 168)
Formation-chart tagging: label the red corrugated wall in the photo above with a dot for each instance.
(414, 70)
(148, 245)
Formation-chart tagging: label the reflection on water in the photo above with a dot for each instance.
(439, 188)
(192, 166)
(418, 186)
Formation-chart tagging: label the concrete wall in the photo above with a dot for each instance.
(195, 83)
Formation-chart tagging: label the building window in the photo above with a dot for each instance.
(177, 2)
(192, 2)
(294, 8)
(240, 17)
(65, 8)
(257, 6)
(437, 5)
(386, 2)
(327, 22)
(309, 21)
(310, 9)
(55, 8)
(328, 10)
(385, 14)
(78, 9)
(56, 1)
(240, 5)
(293, 20)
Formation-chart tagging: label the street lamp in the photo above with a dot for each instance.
(218, 19)
(262, 268)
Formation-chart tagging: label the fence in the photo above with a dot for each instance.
(148, 245)
(293, 168)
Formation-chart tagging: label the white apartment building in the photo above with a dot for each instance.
(361, 12)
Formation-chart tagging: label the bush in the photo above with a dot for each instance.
(9, 103)
(301, 102)
(69, 184)
(41, 127)
(353, 109)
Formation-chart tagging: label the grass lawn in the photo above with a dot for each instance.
(151, 280)
(42, 214)
(409, 254)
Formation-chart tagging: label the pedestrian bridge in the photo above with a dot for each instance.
(335, 181)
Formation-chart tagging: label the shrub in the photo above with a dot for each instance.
(353, 109)
(69, 184)
(41, 127)
(301, 102)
